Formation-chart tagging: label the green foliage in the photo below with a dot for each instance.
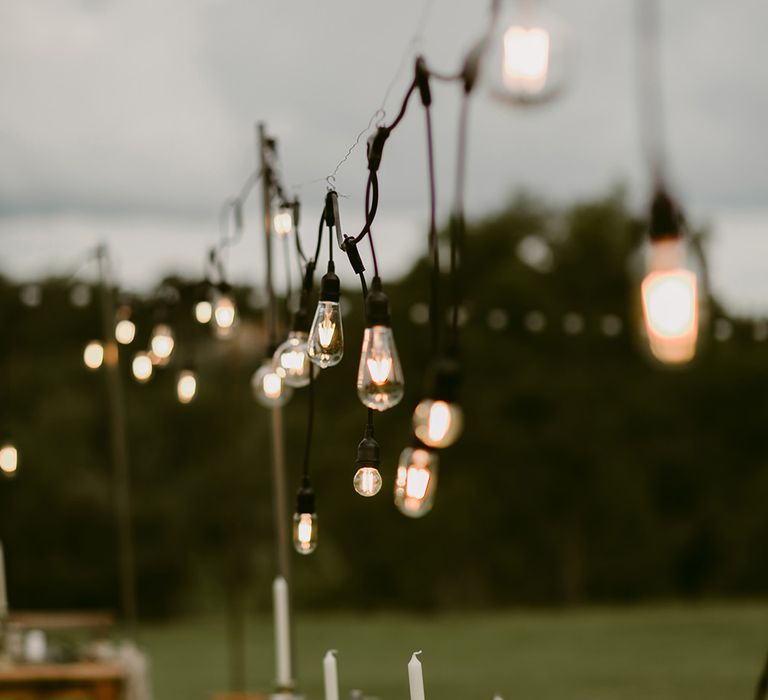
(583, 474)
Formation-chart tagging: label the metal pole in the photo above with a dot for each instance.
(122, 484)
(280, 500)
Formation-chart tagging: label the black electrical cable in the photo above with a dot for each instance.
(403, 107)
(288, 281)
(375, 190)
(310, 420)
(372, 196)
(319, 236)
(434, 311)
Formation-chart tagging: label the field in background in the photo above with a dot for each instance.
(707, 652)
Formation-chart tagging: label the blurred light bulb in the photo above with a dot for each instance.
(670, 303)
(125, 331)
(186, 386)
(9, 459)
(225, 312)
(93, 355)
(291, 360)
(142, 367)
(325, 346)
(367, 481)
(283, 221)
(526, 59)
(268, 386)
(438, 423)
(203, 311)
(416, 481)
(380, 375)
(305, 532)
(162, 342)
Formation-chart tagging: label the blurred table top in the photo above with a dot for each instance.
(97, 680)
(60, 620)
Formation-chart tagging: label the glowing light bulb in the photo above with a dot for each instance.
(325, 346)
(9, 459)
(367, 481)
(162, 342)
(283, 221)
(380, 383)
(203, 312)
(526, 57)
(438, 423)
(305, 532)
(186, 386)
(416, 481)
(93, 355)
(125, 331)
(268, 386)
(291, 360)
(225, 313)
(142, 367)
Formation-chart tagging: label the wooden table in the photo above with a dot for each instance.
(78, 681)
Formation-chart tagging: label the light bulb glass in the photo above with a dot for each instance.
(416, 481)
(203, 312)
(438, 423)
(9, 459)
(283, 221)
(305, 532)
(186, 386)
(527, 55)
(380, 383)
(93, 355)
(325, 346)
(162, 342)
(142, 367)
(291, 360)
(225, 312)
(125, 331)
(268, 386)
(670, 302)
(367, 481)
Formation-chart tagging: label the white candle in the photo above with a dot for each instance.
(282, 634)
(331, 675)
(3, 589)
(415, 678)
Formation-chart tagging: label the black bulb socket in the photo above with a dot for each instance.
(301, 321)
(666, 219)
(377, 305)
(368, 453)
(305, 498)
(330, 285)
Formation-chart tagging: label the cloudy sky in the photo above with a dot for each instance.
(130, 122)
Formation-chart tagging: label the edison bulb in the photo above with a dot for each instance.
(367, 481)
(142, 367)
(291, 360)
(438, 423)
(268, 386)
(380, 383)
(203, 312)
(9, 459)
(224, 313)
(670, 302)
(283, 221)
(125, 331)
(526, 57)
(93, 355)
(162, 342)
(416, 481)
(305, 532)
(325, 346)
(186, 386)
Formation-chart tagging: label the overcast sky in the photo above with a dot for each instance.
(131, 121)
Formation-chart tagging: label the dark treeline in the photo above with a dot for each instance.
(584, 473)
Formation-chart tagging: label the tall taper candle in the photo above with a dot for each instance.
(282, 634)
(3, 589)
(415, 678)
(331, 675)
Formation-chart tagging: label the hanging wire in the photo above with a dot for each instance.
(310, 421)
(650, 94)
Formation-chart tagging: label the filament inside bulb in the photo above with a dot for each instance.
(325, 332)
(670, 309)
(416, 482)
(304, 531)
(439, 421)
(379, 369)
(526, 58)
(272, 385)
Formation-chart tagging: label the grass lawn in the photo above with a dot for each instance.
(675, 652)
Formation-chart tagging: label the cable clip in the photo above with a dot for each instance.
(376, 147)
(350, 248)
(332, 217)
(422, 81)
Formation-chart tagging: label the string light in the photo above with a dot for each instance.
(416, 481)
(305, 519)
(142, 367)
(367, 479)
(203, 311)
(325, 345)
(268, 386)
(282, 222)
(93, 354)
(438, 419)
(162, 342)
(125, 329)
(186, 386)
(9, 459)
